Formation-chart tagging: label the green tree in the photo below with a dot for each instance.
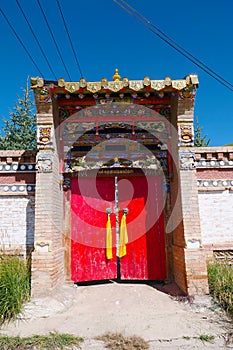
(199, 139)
(19, 132)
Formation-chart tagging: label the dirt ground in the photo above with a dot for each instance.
(143, 310)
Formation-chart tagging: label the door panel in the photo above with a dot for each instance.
(145, 258)
(90, 198)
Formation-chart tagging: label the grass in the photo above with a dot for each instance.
(116, 341)
(202, 337)
(220, 276)
(48, 342)
(206, 338)
(186, 337)
(14, 286)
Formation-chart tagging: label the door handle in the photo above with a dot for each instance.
(125, 211)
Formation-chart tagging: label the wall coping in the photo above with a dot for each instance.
(17, 153)
(212, 149)
(17, 156)
(219, 153)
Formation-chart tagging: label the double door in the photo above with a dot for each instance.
(101, 202)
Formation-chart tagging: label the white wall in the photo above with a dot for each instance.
(216, 216)
(17, 221)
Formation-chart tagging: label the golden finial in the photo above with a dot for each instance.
(116, 76)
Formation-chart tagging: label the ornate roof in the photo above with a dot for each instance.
(116, 85)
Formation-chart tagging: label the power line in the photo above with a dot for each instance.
(176, 43)
(144, 21)
(71, 43)
(51, 33)
(21, 42)
(35, 37)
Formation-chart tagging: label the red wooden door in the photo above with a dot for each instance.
(90, 198)
(145, 257)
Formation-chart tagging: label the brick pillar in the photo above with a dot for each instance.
(189, 259)
(48, 255)
(193, 253)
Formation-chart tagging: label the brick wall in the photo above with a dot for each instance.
(17, 222)
(17, 201)
(215, 194)
(216, 209)
(215, 187)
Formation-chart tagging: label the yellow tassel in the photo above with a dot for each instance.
(108, 239)
(123, 237)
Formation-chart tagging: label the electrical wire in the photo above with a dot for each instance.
(69, 37)
(176, 43)
(21, 42)
(35, 37)
(55, 43)
(178, 47)
(221, 80)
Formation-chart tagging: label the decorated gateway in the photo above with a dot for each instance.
(119, 189)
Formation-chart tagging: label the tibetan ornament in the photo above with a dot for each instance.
(157, 84)
(167, 81)
(115, 85)
(72, 87)
(136, 85)
(82, 83)
(194, 79)
(61, 82)
(125, 81)
(104, 82)
(94, 87)
(179, 84)
(146, 81)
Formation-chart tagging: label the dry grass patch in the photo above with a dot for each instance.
(116, 341)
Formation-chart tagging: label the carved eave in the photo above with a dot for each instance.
(125, 85)
(20, 156)
(212, 156)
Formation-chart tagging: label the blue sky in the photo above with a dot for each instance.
(105, 37)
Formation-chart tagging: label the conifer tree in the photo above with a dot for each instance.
(199, 140)
(19, 132)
